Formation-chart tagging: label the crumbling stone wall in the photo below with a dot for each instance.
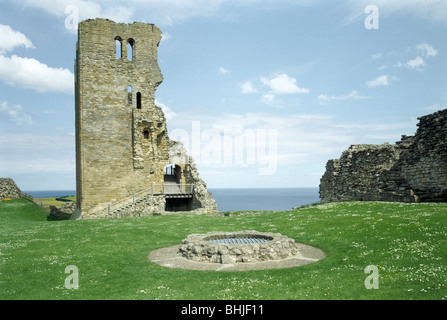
(9, 189)
(412, 170)
(122, 142)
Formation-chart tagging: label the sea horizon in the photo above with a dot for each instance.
(235, 199)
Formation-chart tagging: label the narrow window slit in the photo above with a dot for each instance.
(138, 100)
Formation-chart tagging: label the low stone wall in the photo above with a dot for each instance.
(9, 190)
(199, 248)
(412, 170)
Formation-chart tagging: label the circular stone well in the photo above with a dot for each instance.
(237, 247)
(236, 251)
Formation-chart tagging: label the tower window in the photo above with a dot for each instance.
(118, 47)
(130, 45)
(138, 100)
(129, 94)
(146, 134)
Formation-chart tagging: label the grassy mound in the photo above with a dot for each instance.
(406, 242)
(20, 211)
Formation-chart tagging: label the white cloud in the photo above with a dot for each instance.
(16, 114)
(10, 39)
(353, 95)
(427, 49)
(247, 87)
(283, 84)
(380, 81)
(32, 74)
(376, 56)
(222, 70)
(86, 9)
(268, 98)
(416, 63)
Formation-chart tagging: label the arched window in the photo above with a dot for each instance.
(138, 100)
(130, 47)
(146, 134)
(118, 47)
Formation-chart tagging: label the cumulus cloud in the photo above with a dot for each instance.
(418, 63)
(32, 74)
(15, 113)
(11, 39)
(380, 81)
(283, 84)
(415, 63)
(247, 87)
(427, 50)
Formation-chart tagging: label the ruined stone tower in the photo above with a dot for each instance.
(122, 143)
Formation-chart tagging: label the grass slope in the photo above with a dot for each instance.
(408, 242)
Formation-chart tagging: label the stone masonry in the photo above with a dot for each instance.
(412, 170)
(9, 190)
(122, 143)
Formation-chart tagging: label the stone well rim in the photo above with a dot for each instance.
(198, 248)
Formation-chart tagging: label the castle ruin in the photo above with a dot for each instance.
(412, 170)
(125, 162)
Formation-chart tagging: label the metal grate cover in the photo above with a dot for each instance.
(239, 240)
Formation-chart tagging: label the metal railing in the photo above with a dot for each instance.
(170, 189)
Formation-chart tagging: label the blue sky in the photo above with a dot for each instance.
(261, 92)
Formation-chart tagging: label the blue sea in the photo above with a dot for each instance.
(237, 199)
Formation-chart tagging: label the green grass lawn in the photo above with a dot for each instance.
(407, 242)
(53, 201)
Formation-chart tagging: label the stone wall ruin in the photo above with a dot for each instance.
(122, 142)
(9, 189)
(412, 170)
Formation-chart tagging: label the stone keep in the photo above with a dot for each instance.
(122, 143)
